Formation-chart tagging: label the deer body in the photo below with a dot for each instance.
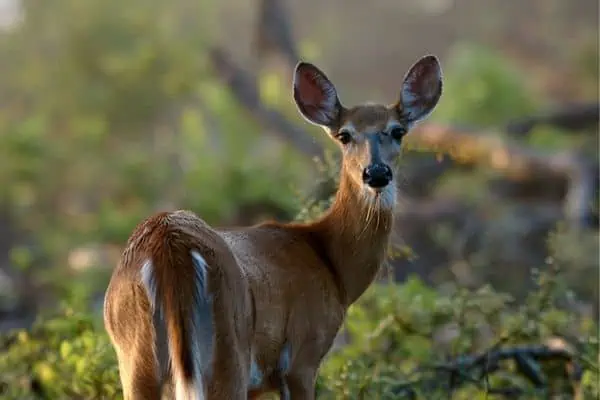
(200, 313)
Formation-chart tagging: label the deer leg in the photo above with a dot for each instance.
(229, 374)
(300, 386)
(138, 376)
(229, 377)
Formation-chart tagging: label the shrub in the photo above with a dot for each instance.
(65, 355)
(407, 341)
(411, 341)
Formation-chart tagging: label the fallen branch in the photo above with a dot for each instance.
(571, 118)
(476, 370)
(515, 162)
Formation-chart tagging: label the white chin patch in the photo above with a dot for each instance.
(384, 198)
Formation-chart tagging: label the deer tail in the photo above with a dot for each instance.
(177, 285)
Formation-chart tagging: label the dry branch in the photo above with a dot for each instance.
(573, 118)
(475, 370)
(243, 86)
(273, 32)
(516, 162)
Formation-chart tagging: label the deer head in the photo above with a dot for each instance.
(370, 135)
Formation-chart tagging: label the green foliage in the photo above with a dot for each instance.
(66, 355)
(482, 88)
(320, 199)
(402, 338)
(577, 252)
(112, 113)
(406, 338)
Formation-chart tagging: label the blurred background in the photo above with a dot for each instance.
(111, 110)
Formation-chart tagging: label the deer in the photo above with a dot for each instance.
(197, 312)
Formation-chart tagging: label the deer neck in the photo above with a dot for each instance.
(355, 232)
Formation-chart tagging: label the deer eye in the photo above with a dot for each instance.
(397, 133)
(344, 136)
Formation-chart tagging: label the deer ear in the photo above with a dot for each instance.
(421, 89)
(315, 95)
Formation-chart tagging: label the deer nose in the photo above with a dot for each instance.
(377, 175)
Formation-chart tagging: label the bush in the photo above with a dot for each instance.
(410, 341)
(482, 88)
(66, 355)
(407, 341)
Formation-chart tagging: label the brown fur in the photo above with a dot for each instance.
(273, 284)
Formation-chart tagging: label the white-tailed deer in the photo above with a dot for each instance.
(196, 312)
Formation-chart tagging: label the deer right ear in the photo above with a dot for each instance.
(315, 95)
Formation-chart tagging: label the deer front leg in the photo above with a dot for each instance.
(300, 386)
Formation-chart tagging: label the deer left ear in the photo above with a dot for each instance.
(421, 89)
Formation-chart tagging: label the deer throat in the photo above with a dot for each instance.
(356, 231)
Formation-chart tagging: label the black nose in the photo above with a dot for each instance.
(377, 175)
